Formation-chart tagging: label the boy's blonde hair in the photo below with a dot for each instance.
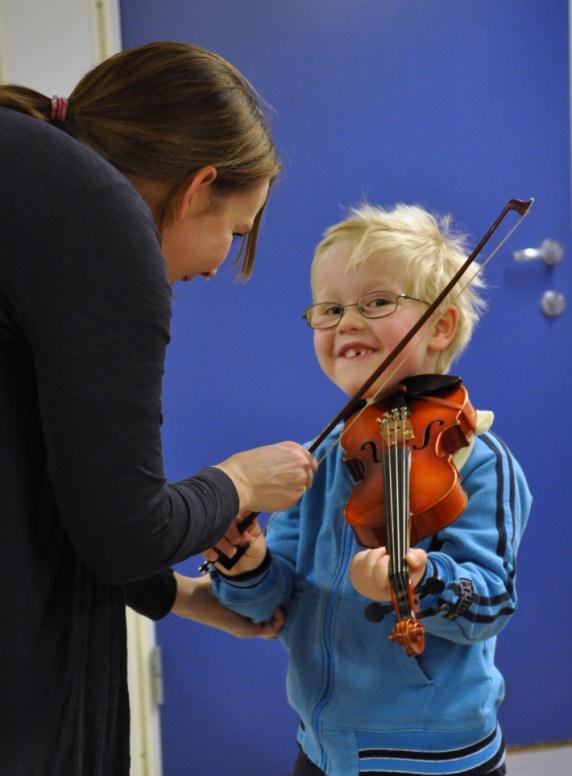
(421, 248)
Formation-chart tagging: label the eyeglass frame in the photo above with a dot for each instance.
(361, 312)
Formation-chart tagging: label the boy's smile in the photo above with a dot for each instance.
(355, 350)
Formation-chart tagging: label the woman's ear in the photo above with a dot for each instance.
(444, 329)
(196, 196)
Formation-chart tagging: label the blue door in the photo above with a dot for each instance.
(459, 107)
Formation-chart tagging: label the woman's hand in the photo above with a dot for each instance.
(270, 478)
(254, 555)
(195, 601)
(369, 572)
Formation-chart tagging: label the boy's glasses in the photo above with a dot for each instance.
(376, 304)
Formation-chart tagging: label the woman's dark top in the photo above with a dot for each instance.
(85, 508)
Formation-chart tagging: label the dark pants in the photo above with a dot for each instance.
(305, 767)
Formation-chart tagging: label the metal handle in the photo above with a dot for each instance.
(550, 252)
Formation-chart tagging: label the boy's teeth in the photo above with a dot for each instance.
(353, 352)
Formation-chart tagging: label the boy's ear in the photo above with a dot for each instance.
(444, 329)
(197, 192)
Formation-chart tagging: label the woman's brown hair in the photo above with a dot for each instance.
(162, 111)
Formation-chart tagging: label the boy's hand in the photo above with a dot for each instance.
(369, 572)
(253, 556)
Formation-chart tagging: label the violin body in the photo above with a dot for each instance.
(399, 451)
(440, 423)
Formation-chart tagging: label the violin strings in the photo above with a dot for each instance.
(390, 472)
(396, 470)
(405, 503)
(404, 507)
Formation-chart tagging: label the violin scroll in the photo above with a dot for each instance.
(408, 632)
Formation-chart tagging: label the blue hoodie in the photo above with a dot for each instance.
(365, 706)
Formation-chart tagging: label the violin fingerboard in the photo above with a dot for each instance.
(396, 462)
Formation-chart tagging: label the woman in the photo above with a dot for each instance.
(164, 157)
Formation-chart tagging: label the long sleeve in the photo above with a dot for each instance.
(258, 593)
(86, 302)
(300, 542)
(469, 587)
(153, 597)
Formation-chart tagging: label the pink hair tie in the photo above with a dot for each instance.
(59, 108)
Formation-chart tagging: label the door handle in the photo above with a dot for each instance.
(550, 252)
(552, 304)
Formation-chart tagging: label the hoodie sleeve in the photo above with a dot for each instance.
(258, 593)
(468, 592)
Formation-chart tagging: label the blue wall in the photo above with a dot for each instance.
(453, 105)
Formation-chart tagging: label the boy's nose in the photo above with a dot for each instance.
(351, 319)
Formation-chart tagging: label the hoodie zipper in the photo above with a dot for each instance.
(327, 634)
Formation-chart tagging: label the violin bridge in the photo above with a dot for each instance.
(395, 427)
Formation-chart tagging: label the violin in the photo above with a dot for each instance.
(399, 451)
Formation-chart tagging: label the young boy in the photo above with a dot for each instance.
(365, 706)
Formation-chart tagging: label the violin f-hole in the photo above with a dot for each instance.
(356, 467)
(374, 451)
(427, 433)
